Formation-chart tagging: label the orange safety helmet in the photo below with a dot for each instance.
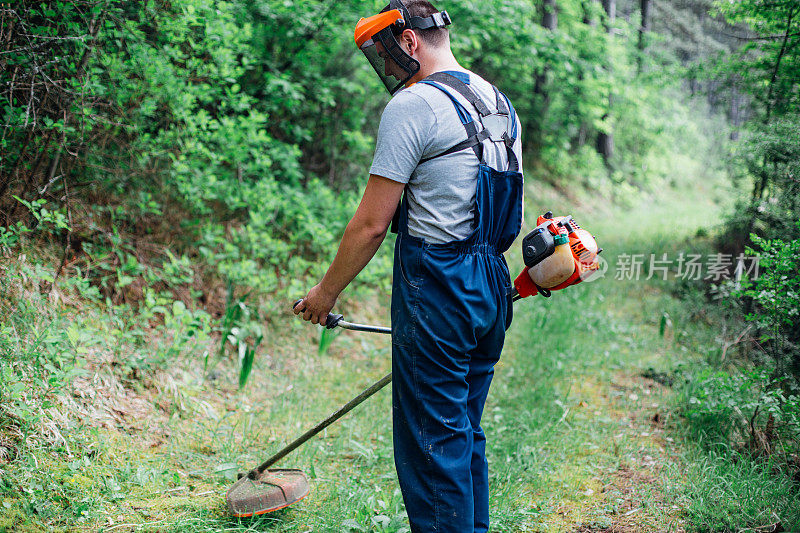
(376, 37)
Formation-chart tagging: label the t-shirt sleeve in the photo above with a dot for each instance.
(405, 132)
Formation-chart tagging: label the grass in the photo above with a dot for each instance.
(578, 439)
(724, 490)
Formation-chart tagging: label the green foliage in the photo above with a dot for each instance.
(36, 360)
(45, 103)
(767, 67)
(373, 512)
(723, 408)
(244, 129)
(10, 236)
(46, 220)
(775, 300)
(240, 328)
(777, 289)
(590, 87)
(234, 127)
(768, 158)
(768, 63)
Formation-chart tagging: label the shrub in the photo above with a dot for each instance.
(747, 410)
(775, 295)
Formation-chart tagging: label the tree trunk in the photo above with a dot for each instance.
(694, 86)
(761, 184)
(550, 14)
(604, 144)
(583, 131)
(774, 76)
(610, 7)
(643, 29)
(735, 114)
(549, 21)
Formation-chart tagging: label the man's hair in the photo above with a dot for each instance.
(422, 8)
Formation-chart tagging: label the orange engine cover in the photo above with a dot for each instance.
(584, 253)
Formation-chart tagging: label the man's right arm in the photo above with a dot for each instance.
(405, 129)
(361, 239)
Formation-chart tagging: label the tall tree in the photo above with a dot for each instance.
(550, 14)
(768, 68)
(605, 139)
(549, 21)
(610, 7)
(583, 129)
(735, 113)
(644, 28)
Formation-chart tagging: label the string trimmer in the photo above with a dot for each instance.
(557, 254)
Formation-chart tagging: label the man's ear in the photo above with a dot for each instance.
(409, 41)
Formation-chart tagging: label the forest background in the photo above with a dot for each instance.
(173, 173)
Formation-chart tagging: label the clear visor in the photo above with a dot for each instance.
(393, 66)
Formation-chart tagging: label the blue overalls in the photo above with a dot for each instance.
(451, 306)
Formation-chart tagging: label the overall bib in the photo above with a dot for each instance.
(451, 306)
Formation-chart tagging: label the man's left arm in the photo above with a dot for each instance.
(362, 237)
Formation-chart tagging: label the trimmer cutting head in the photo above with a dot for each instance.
(263, 490)
(274, 489)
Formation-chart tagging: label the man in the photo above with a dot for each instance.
(448, 139)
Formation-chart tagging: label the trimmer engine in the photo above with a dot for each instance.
(557, 253)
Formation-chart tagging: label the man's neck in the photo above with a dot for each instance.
(438, 63)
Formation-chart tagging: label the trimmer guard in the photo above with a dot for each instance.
(274, 489)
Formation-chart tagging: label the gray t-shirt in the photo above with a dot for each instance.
(421, 121)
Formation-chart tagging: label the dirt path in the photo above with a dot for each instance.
(601, 457)
(603, 452)
(627, 494)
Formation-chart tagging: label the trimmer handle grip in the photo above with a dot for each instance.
(331, 322)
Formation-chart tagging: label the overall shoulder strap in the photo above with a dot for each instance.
(461, 88)
(474, 137)
(510, 136)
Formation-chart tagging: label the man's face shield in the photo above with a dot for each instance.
(375, 38)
